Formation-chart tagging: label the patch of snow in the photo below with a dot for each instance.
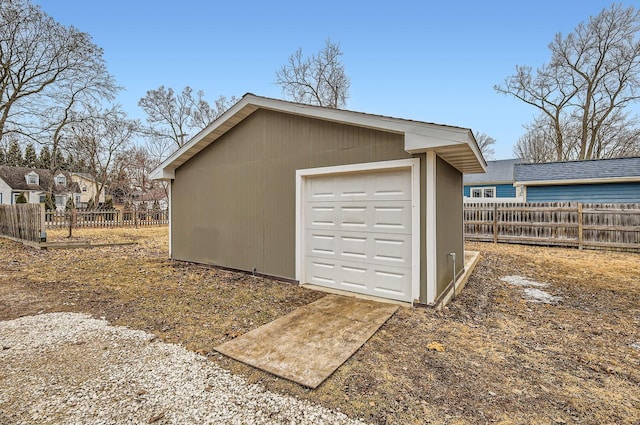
(523, 281)
(540, 296)
(635, 345)
(530, 292)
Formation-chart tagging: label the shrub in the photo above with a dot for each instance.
(21, 199)
(49, 203)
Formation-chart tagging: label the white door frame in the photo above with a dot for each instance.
(412, 164)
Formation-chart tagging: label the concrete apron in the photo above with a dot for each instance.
(307, 345)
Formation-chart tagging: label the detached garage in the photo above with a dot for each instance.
(338, 199)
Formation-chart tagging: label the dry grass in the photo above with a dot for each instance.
(506, 360)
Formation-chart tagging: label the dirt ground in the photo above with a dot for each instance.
(506, 359)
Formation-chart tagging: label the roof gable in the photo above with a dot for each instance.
(455, 145)
(576, 171)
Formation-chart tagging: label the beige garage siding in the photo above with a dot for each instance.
(236, 199)
(448, 222)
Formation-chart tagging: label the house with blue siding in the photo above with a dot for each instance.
(496, 185)
(615, 180)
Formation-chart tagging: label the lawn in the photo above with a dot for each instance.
(506, 359)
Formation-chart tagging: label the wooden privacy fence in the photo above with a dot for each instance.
(23, 221)
(106, 218)
(591, 226)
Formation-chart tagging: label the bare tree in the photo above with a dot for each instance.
(593, 75)
(537, 145)
(174, 119)
(130, 173)
(485, 143)
(316, 80)
(99, 138)
(45, 69)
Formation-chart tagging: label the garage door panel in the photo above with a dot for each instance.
(393, 250)
(392, 216)
(374, 216)
(390, 282)
(385, 185)
(322, 216)
(387, 282)
(369, 248)
(392, 185)
(321, 190)
(320, 243)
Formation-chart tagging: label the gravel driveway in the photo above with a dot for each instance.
(71, 368)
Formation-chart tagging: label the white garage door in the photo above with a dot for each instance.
(358, 232)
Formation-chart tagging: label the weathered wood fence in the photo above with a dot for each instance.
(588, 226)
(23, 221)
(106, 218)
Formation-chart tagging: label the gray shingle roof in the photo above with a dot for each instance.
(500, 171)
(15, 178)
(579, 170)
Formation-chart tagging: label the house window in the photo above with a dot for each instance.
(84, 188)
(60, 201)
(483, 192)
(33, 178)
(61, 179)
(42, 198)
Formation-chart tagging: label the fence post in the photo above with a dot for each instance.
(580, 237)
(43, 223)
(495, 222)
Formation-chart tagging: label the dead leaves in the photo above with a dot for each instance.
(436, 346)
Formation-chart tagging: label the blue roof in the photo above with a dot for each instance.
(579, 170)
(500, 171)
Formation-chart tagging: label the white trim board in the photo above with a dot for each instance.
(430, 231)
(413, 164)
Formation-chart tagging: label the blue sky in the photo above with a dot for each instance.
(434, 61)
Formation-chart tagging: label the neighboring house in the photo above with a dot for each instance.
(148, 198)
(35, 183)
(496, 185)
(333, 198)
(596, 181)
(87, 185)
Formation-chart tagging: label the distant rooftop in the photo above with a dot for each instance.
(579, 170)
(500, 171)
(14, 177)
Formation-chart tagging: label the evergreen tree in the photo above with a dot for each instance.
(60, 162)
(80, 166)
(45, 158)
(70, 163)
(30, 156)
(49, 203)
(14, 155)
(21, 199)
